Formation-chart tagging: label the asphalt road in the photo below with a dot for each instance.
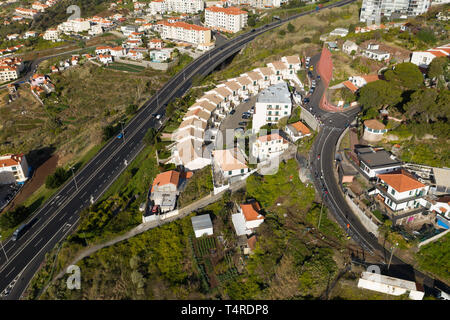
(57, 218)
(322, 165)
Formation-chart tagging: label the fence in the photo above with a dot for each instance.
(433, 238)
(310, 120)
(365, 220)
(148, 64)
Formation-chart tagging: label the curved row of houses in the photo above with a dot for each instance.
(201, 122)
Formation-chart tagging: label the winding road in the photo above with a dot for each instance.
(59, 215)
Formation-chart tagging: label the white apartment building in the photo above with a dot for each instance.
(13, 169)
(271, 105)
(269, 146)
(373, 10)
(41, 7)
(75, 25)
(29, 13)
(424, 58)
(265, 4)
(181, 6)
(96, 29)
(229, 19)
(51, 35)
(186, 32)
(8, 73)
(247, 219)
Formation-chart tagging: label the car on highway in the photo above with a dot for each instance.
(243, 123)
(158, 116)
(19, 232)
(232, 111)
(120, 136)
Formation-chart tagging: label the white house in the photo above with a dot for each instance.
(349, 46)
(191, 154)
(442, 206)
(51, 35)
(401, 191)
(271, 105)
(13, 169)
(424, 58)
(102, 50)
(373, 130)
(95, 30)
(374, 162)
(256, 81)
(230, 162)
(185, 32)
(297, 131)
(160, 55)
(155, 44)
(105, 58)
(339, 32)
(202, 225)
(292, 62)
(118, 52)
(373, 52)
(269, 146)
(389, 285)
(247, 218)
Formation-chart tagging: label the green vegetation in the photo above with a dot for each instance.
(12, 219)
(197, 187)
(56, 179)
(125, 67)
(426, 110)
(435, 257)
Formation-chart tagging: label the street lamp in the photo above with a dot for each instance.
(74, 180)
(392, 253)
(3, 248)
(123, 132)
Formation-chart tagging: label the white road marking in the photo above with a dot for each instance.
(38, 242)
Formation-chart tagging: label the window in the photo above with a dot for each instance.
(286, 106)
(242, 170)
(393, 191)
(229, 173)
(269, 118)
(276, 113)
(270, 112)
(285, 112)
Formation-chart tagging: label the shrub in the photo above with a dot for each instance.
(56, 179)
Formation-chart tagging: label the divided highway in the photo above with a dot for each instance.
(57, 218)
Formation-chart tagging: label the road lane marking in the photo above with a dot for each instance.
(38, 242)
(10, 272)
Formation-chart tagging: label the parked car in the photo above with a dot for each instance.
(232, 111)
(120, 136)
(311, 68)
(243, 123)
(311, 91)
(310, 74)
(306, 100)
(318, 77)
(313, 83)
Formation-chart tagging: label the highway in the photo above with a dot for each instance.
(59, 215)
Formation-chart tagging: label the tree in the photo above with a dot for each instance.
(131, 109)
(251, 21)
(56, 179)
(423, 102)
(290, 28)
(149, 138)
(405, 75)
(427, 36)
(281, 32)
(379, 94)
(437, 67)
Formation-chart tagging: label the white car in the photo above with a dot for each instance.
(158, 116)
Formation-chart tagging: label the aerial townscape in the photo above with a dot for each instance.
(224, 150)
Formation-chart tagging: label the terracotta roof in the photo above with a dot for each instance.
(224, 92)
(187, 132)
(193, 122)
(374, 124)
(300, 127)
(266, 71)
(292, 59)
(251, 242)
(437, 53)
(172, 177)
(244, 80)
(227, 159)
(208, 106)
(400, 181)
(229, 10)
(197, 112)
(270, 137)
(232, 85)
(189, 150)
(253, 75)
(371, 78)
(8, 160)
(350, 86)
(250, 211)
(184, 25)
(278, 65)
(213, 98)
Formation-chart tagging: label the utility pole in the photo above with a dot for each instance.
(3, 248)
(123, 132)
(74, 180)
(392, 253)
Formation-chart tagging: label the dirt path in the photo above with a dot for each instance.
(38, 179)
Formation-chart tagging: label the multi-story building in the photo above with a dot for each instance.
(29, 13)
(74, 25)
(41, 7)
(229, 19)
(373, 10)
(10, 68)
(182, 6)
(401, 191)
(271, 105)
(186, 32)
(13, 169)
(269, 146)
(51, 35)
(265, 4)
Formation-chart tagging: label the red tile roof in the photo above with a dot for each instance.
(167, 177)
(229, 10)
(251, 211)
(299, 126)
(400, 181)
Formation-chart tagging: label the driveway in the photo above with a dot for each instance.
(232, 120)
